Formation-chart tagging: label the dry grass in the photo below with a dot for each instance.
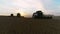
(14, 25)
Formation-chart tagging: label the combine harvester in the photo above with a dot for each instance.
(40, 15)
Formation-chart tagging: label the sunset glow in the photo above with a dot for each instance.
(23, 13)
(27, 7)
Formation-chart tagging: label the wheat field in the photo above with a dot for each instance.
(16, 25)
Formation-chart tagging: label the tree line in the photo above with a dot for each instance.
(18, 15)
(38, 14)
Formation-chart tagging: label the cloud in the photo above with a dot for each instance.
(29, 6)
(51, 7)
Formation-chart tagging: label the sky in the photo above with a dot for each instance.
(28, 7)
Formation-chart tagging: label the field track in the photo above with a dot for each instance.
(15, 25)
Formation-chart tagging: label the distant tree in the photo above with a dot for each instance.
(12, 15)
(18, 15)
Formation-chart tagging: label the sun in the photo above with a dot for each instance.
(23, 13)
